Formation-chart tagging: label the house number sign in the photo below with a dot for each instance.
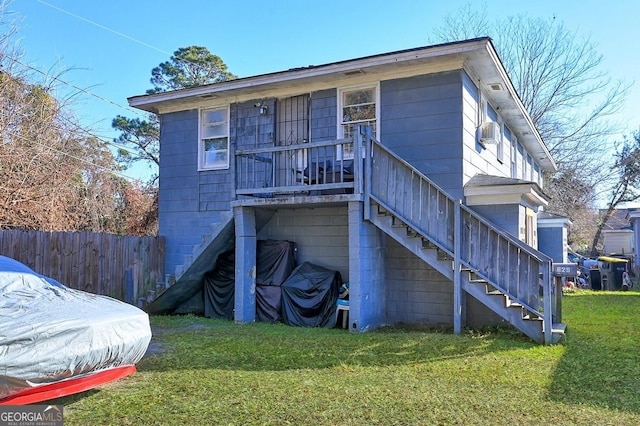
(565, 269)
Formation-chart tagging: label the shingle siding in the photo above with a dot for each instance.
(183, 215)
(323, 118)
(421, 117)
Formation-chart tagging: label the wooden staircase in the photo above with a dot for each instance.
(509, 277)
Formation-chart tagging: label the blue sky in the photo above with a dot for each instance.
(111, 46)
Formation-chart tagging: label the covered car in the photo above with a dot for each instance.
(55, 341)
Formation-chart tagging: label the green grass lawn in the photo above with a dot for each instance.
(212, 372)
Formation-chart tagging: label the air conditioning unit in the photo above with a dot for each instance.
(490, 132)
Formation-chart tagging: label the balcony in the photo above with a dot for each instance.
(314, 169)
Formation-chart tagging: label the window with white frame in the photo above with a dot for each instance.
(358, 106)
(513, 153)
(521, 160)
(213, 150)
(529, 170)
(490, 114)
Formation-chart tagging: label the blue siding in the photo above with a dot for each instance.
(421, 120)
(185, 211)
(323, 115)
(551, 242)
(504, 216)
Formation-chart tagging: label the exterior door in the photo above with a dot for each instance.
(292, 129)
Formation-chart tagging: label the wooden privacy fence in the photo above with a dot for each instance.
(123, 267)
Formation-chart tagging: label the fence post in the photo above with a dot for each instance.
(128, 286)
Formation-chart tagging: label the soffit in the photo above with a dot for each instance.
(478, 56)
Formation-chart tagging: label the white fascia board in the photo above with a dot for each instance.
(617, 231)
(554, 223)
(504, 194)
(312, 72)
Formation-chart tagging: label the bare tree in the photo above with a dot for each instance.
(54, 175)
(571, 100)
(625, 189)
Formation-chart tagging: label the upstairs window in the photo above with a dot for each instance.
(213, 150)
(358, 106)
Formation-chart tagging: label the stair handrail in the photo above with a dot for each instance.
(364, 138)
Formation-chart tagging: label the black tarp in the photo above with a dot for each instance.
(309, 296)
(219, 287)
(275, 260)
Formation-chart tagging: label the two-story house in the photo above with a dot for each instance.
(416, 174)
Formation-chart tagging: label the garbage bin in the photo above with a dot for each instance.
(612, 270)
(595, 279)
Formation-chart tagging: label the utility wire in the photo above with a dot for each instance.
(111, 30)
(72, 156)
(88, 93)
(72, 85)
(104, 28)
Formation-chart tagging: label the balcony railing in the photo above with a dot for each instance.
(314, 168)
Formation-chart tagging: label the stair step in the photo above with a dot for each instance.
(412, 232)
(532, 317)
(205, 239)
(397, 223)
(478, 280)
(381, 210)
(559, 328)
(428, 245)
(442, 255)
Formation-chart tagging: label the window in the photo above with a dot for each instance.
(213, 150)
(358, 106)
(521, 161)
(491, 115)
(511, 140)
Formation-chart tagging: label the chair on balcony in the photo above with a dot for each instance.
(342, 171)
(314, 173)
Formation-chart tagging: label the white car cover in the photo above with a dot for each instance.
(50, 333)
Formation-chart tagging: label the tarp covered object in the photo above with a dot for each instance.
(309, 296)
(51, 334)
(275, 259)
(275, 262)
(219, 287)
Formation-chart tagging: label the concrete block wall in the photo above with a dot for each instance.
(367, 300)
(415, 292)
(321, 235)
(421, 121)
(182, 220)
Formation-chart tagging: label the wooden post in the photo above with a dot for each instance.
(558, 301)
(458, 294)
